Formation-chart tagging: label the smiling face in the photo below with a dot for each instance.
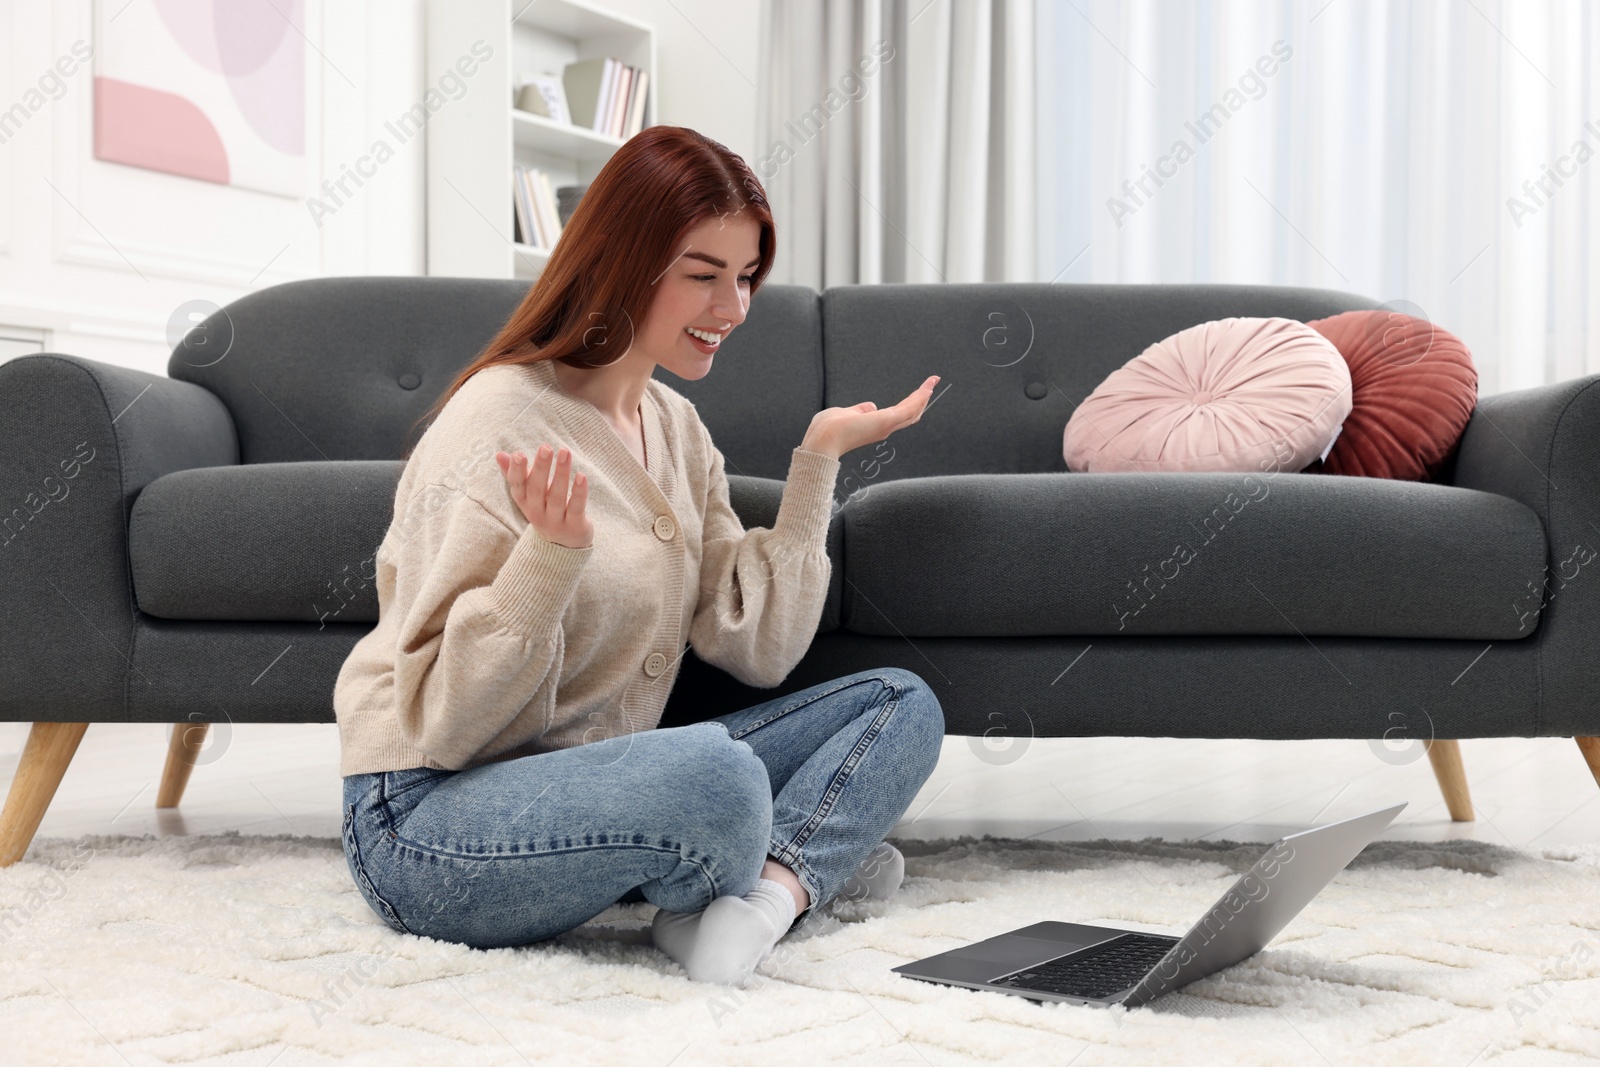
(706, 289)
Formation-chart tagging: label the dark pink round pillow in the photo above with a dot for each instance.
(1413, 389)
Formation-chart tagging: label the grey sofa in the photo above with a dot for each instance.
(198, 548)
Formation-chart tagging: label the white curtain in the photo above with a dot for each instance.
(897, 140)
(1403, 150)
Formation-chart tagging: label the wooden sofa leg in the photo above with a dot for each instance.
(49, 749)
(182, 751)
(1447, 767)
(1590, 747)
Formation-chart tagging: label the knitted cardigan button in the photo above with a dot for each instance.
(664, 527)
(654, 664)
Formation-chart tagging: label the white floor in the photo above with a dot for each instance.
(1528, 793)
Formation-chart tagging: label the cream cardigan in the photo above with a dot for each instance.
(493, 643)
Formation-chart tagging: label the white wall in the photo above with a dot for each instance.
(96, 257)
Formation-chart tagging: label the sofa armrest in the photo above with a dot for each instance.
(1541, 447)
(79, 440)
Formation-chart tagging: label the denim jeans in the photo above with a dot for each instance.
(521, 850)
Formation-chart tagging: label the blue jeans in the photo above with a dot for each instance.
(521, 850)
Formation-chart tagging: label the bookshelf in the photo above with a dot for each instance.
(474, 138)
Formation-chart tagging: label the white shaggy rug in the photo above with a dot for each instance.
(253, 951)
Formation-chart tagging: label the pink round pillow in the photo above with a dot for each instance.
(1238, 394)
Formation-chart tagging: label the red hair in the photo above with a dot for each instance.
(627, 229)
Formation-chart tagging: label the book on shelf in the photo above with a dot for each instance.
(606, 95)
(546, 200)
(537, 216)
(526, 232)
(636, 117)
(620, 99)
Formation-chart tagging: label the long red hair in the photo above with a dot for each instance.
(626, 231)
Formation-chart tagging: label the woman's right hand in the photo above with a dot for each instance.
(545, 501)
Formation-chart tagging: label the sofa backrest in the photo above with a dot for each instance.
(1015, 359)
(341, 368)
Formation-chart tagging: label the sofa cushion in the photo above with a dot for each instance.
(1413, 388)
(1014, 555)
(298, 542)
(1234, 394)
(289, 542)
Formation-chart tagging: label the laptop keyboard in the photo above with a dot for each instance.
(1099, 972)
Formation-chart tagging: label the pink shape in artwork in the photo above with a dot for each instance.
(271, 95)
(148, 128)
(229, 37)
(251, 45)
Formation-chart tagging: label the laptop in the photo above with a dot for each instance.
(1105, 965)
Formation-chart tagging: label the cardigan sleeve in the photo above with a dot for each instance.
(479, 635)
(762, 590)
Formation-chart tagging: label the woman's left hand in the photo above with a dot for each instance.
(835, 431)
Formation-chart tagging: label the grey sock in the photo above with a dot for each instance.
(729, 939)
(878, 876)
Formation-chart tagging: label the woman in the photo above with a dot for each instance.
(504, 779)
